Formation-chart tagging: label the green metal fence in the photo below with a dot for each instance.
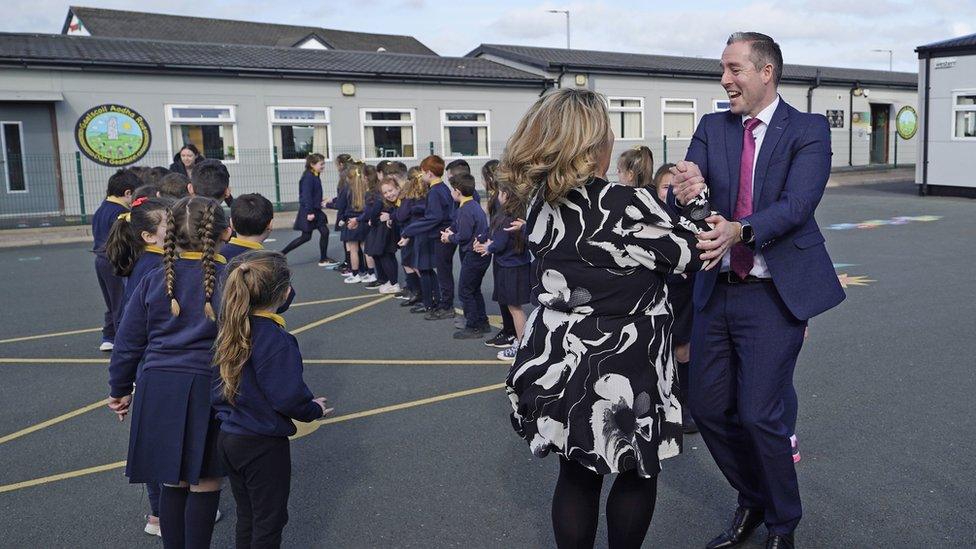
(48, 190)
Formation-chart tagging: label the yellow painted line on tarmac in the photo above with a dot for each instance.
(333, 300)
(55, 334)
(53, 421)
(337, 316)
(61, 476)
(304, 429)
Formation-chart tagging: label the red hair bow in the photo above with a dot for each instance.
(139, 201)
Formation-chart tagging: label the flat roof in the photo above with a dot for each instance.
(126, 54)
(556, 59)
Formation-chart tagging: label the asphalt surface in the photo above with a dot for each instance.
(886, 383)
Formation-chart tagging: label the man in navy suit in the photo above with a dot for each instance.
(766, 166)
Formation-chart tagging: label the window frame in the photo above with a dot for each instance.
(170, 120)
(447, 124)
(272, 121)
(363, 124)
(640, 109)
(6, 161)
(693, 111)
(960, 108)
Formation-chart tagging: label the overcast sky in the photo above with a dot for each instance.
(838, 33)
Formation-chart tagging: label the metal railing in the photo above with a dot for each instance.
(50, 190)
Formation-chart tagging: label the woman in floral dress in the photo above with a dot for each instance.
(594, 378)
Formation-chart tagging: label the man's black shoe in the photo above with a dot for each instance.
(780, 541)
(743, 524)
(411, 302)
(468, 333)
(419, 308)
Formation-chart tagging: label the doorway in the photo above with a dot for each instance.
(879, 133)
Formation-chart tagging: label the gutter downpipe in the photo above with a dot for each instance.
(923, 189)
(816, 84)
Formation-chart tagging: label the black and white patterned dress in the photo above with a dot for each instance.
(594, 378)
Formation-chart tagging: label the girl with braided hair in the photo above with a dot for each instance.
(170, 326)
(257, 390)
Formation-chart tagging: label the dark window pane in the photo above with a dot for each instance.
(15, 157)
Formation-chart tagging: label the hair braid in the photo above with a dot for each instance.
(169, 258)
(205, 232)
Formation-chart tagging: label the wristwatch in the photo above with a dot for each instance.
(747, 235)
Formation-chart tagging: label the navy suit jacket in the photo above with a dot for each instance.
(789, 180)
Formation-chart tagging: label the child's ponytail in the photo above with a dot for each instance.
(169, 258)
(207, 237)
(257, 281)
(122, 247)
(640, 162)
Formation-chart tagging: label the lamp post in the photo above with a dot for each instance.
(890, 54)
(567, 24)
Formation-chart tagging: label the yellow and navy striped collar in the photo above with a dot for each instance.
(117, 200)
(435, 181)
(154, 249)
(278, 319)
(245, 243)
(199, 255)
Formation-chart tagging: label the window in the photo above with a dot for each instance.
(678, 118)
(12, 144)
(297, 132)
(388, 133)
(964, 115)
(627, 117)
(721, 105)
(465, 133)
(212, 129)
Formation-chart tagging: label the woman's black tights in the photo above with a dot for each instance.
(576, 507)
(306, 236)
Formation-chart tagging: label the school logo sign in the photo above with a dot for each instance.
(907, 122)
(113, 135)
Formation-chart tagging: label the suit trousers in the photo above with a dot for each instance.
(744, 346)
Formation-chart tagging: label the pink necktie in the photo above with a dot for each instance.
(742, 256)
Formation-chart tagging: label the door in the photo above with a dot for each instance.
(879, 133)
(29, 190)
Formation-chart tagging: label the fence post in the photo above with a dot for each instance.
(896, 149)
(81, 188)
(274, 152)
(665, 138)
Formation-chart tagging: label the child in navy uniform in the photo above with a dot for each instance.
(413, 197)
(170, 326)
(257, 389)
(470, 222)
(351, 203)
(251, 217)
(381, 242)
(432, 254)
(512, 279)
(505, 337)
(134, 247)
(121, 185)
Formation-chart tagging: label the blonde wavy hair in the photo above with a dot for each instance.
(557, 144)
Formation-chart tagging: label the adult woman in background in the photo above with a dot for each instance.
(185, 159)
(594, 377)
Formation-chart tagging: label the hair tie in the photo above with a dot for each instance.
(139, 201)
(244, 267)
(126, 216)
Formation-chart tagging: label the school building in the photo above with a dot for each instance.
(947, 88)
(119, 88)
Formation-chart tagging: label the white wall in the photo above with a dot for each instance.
(952, 162)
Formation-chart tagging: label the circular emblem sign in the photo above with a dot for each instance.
(907, 122)
(113, 135)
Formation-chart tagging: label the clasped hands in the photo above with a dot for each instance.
(688, 183)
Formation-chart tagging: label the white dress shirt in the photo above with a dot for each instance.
(759, 268)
